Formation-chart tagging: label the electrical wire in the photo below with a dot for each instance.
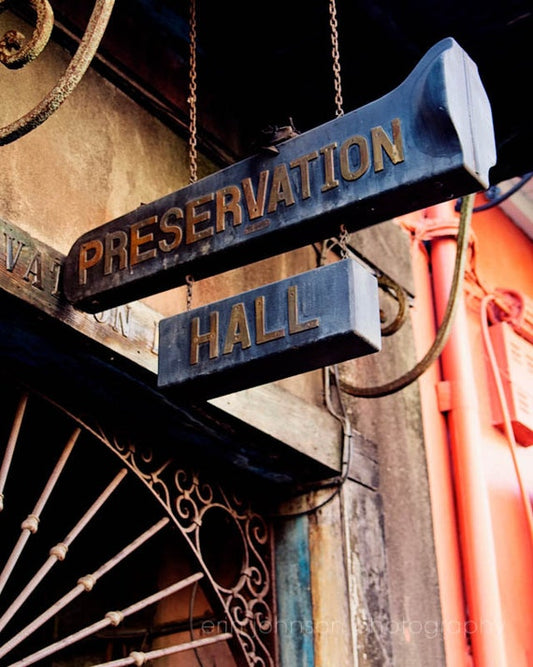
(338, 481)
(445, 328)
(498, 200)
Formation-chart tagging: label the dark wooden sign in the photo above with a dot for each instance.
(309, 321)
(429, 140)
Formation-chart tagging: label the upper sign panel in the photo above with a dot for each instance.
(429, 140)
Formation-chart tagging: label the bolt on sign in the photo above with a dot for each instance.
(314, 319)
(429, 140)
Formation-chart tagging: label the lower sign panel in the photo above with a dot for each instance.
(311, 320)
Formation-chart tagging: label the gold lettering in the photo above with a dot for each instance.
(303, 164)
(281, 190)
(91, 253)
(346, 172)
(330, 181)
(198, 339)
(292, 302)
(118, 249)
(381, 142)
(227, 201)
(255, 205)
(262, 336)
(238, 330)
(137, 240)
(173, 213)
(193, 218)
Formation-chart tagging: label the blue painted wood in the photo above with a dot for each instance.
(429, 140)
(308, 321)
(294, 623)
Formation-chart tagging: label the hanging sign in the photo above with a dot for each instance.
(429, 140)
(309, 321)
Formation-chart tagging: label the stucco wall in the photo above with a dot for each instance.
(98, 156)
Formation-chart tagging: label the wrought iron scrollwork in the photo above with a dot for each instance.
(197, 505)
(15, 50)
(70, 79)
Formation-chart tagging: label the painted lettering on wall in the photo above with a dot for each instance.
(31, 271)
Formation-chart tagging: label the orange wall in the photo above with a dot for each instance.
(503, 258)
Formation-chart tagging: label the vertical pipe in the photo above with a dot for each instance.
(440, 477)
(485, 622)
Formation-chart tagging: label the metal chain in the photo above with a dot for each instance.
(343, 241)
(343, 236)
(193, 155)
(190, 281)
(192, 101)
(336, 59)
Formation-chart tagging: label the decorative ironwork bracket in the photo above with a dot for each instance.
(15, 50)
(18, 55)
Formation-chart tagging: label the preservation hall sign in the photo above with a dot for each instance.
(299, 324)
(429, 140)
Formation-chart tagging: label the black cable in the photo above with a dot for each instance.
(498, 200)
(334, 482)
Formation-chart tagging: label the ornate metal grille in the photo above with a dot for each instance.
(68, 508)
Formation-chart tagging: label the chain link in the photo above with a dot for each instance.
(336, 58)
(190, 281)
(192, 101)
(343, 241)
(193, 155)
(343, 237)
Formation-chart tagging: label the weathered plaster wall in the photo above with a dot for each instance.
(98, 156)
(394, 424)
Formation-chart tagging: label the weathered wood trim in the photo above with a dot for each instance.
(288, 418)
(31, 270)
(363, 467)
(295, 622)
(333, 626)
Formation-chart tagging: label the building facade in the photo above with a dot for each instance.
(294, 522)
